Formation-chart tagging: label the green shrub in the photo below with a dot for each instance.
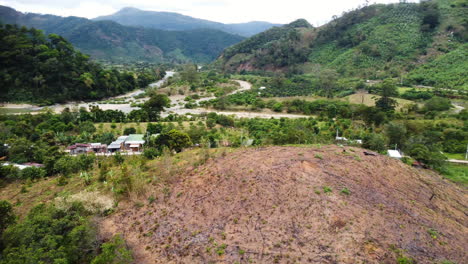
(7, 216)
(32, 173)
(151, 153)
(345, 191)
(129, 130)
(50, 235)
(114, 252)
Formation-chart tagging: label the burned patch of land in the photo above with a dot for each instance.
(299, 205)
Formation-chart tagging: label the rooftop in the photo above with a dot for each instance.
(135, 138)
(394, 153)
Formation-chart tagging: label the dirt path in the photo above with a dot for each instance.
(458, 108)
(458, 161)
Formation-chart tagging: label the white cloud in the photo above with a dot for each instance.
(227, 11)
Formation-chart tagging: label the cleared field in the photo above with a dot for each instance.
(12, 111)
(405, 89)
(369, 100)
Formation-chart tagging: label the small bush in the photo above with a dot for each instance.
(405, 260)
(114, 251)
(33, 173)
(221, 250)
(327, 189)
(151, 153)
(93, 202)
(433, 233)
(129, 130)
(118, 158)
(345, 191)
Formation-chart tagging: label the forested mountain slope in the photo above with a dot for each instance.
(424, 42)
(110, 41)
(42, 69)
(173, 21)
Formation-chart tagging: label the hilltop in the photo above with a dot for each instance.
(424, 43)
(111, 41)
(130, 16)
(297, 204)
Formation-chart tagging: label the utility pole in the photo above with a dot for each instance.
(466, 154)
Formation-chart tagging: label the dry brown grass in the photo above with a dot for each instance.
(268, 205)
(369, 100)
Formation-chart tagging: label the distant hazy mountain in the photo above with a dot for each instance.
(130, 16)
(108, 40)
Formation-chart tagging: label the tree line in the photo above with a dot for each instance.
(47, 69)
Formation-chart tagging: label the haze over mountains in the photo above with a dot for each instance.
(111, 41)
(130, 16)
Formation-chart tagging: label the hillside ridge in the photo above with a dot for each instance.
(111, 41)
(131, 16)
(409, 41)
(298, 204)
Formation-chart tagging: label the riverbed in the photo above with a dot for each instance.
(177, 104)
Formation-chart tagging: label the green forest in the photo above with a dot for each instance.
(419, 43)
(377, 79)
(112, 42)
(47, 69)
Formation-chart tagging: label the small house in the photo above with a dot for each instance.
(134, 142)
(117, 145)
(78, 148)
(34, 164)
(98, 147)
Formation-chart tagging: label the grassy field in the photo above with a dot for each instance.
(405, 89)
(10, 111)
(369, 100)
(457, 156)
(457, 173)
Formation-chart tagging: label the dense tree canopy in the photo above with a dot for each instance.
(43, 69)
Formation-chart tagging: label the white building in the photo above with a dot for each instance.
(394, 154)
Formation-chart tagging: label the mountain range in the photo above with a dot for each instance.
(113, 42)
(423, 43)
(130, 16)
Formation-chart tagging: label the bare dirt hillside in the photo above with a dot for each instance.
(299, 205)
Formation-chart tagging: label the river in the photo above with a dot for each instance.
(58, 108)
(177, 104)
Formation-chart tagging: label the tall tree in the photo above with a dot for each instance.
(155, 105)
(327, 81)
(388, 89)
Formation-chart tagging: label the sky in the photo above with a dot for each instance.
(317, 12)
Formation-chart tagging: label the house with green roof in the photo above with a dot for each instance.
(134, 142)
